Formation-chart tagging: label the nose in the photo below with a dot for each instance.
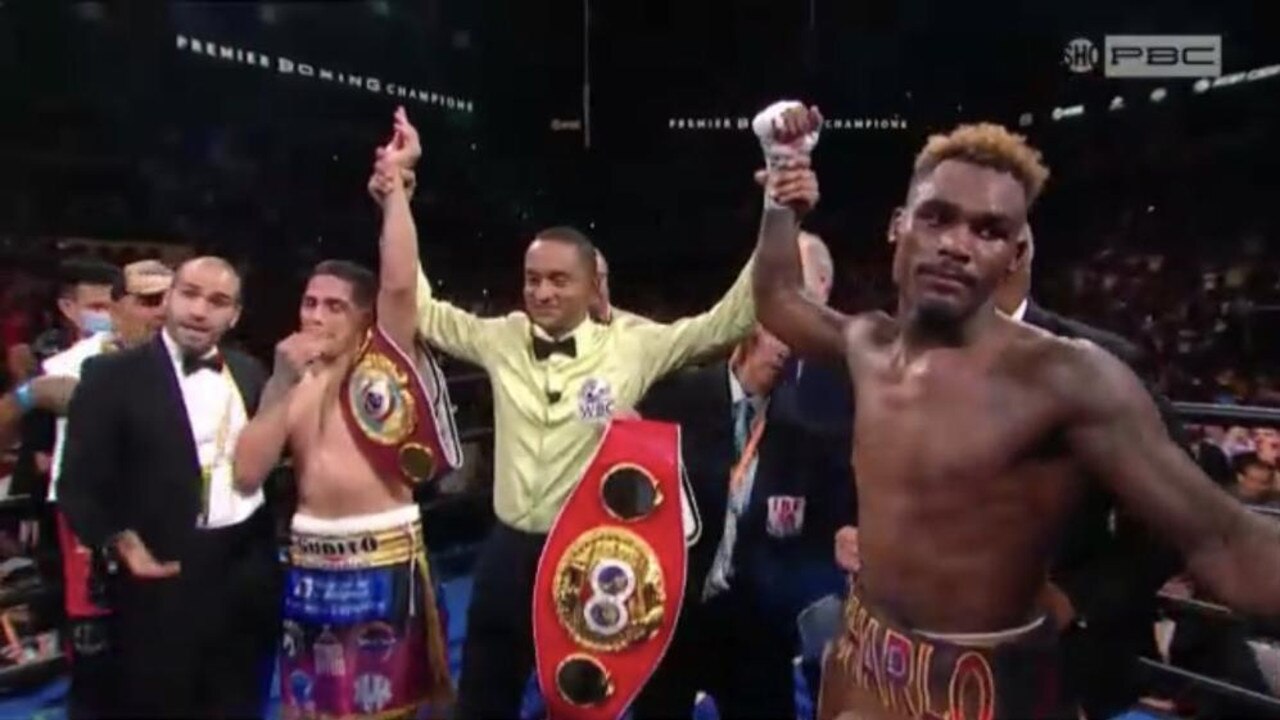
(199, 309)
(956, 243)
(543, 293)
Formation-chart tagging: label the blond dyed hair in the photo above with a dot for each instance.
(989, 145)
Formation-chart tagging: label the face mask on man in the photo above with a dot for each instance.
(93, 322)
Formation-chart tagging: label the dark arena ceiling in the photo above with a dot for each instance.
(152, 119)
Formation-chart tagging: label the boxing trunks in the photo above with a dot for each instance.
(363, 633)
(612, 572)
(877, 669)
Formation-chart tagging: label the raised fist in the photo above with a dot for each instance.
(405, 148)
(295, 353)
(786, 129)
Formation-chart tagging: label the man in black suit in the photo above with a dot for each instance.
(770, 494)
(147, 478)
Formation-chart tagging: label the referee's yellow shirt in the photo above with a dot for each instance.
(548, 415)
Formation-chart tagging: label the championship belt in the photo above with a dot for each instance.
(612, 574)
(399, 411)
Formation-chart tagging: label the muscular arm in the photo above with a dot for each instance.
(1116, 432)
(263, 440)
(810, 329)
(398, 270)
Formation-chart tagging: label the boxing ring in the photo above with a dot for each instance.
(1186, 685)
(1194, 684)
(454, 558)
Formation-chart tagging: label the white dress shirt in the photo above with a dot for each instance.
(215, 408)
(1020, 311)
(739, 498)
(67, 364)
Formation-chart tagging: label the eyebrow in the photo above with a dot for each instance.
(981, 215)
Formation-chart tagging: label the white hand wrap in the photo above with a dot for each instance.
(766, 125)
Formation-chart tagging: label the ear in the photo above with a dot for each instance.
(235, 319)
(1025, 251)
(895, 224)
(67, 307)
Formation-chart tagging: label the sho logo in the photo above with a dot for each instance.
(1148, 56)
(1080, 55)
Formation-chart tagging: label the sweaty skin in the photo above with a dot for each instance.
(974, 432)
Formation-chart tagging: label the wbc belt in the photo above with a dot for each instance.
(612, 573)
(399, 412)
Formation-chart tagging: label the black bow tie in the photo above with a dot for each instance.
(192, 365)
(543, 349)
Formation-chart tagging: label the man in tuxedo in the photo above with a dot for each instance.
(146, 478)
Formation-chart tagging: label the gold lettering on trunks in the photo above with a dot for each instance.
(973, 680)
(900, 670)
(902, 664)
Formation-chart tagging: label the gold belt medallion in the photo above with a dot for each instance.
(378, 392)
(608, 590)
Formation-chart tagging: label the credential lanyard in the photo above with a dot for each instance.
(219, 447)
(739, 471)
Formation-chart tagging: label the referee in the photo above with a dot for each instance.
(557, 378)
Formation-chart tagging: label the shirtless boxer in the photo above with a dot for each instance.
(363, 633)
(971, 437)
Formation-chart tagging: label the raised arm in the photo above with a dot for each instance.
(398, 251)
(442, 324)
(788, 132)
(1116, 432)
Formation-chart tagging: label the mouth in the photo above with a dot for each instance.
(945, 277)
(195, 329)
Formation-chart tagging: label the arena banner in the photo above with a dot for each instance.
(308, 69)
(742, 123)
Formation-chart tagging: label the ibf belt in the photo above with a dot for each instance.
(612, 573)
(399, 412)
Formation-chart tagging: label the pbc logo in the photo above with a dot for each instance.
(1148, 56)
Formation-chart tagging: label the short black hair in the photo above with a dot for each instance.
(364, 284)
(574, 238)
(75, 272)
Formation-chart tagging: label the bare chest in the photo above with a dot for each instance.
(335, 478)
(945, 426)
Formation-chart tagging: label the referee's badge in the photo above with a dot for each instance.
(595, 400)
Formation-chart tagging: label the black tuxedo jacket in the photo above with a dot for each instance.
(130, 459)
(783, 572)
